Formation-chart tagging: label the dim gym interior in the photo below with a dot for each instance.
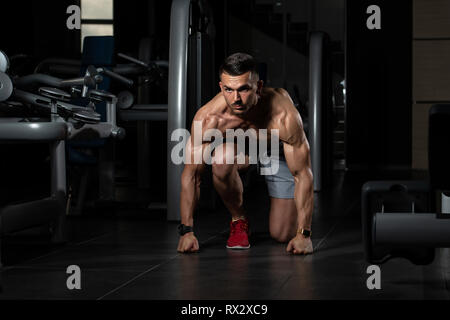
(95, 197)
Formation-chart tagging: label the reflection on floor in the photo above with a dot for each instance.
(133, 256)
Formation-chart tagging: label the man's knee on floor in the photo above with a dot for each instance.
(282, 233)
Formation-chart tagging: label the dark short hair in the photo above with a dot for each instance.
(238, 64)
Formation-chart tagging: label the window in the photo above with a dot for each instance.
(96, 18)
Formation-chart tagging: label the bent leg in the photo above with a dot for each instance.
(283, 211)
(282, 219)
(228, 183)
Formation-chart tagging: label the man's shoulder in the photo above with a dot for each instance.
(282, 91)
(285, 115)
(210, 107)
(276, 92)
(217, 102)
(281, 103)
(209, 114)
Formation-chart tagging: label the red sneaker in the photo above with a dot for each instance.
(239, 233)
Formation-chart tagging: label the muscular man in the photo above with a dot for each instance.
(244, 103)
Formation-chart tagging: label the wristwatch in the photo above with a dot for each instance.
(182, 229)
(305, 232)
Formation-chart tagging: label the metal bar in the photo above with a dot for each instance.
(445, 204)
(178, 55)
(226, 28)
(136, 115)
(58, 159)
(33, 131)
(37, 79)
(315, 105)
(111, 117)
(406, 229)
(58, 165)
(284, 4)
(149, 107)
(199, 70)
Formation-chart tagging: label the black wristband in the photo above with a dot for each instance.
(305, 232)
(182, 229)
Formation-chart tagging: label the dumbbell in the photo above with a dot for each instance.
(4, 62)
(57, 96)
(125, 100)
(6, 86)
(383, 204)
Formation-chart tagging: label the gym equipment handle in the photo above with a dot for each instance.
(116, 76)
(406, 229)
(85, 81)
(38, 78)
(131, 59)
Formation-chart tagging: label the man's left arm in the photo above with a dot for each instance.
(297, 154)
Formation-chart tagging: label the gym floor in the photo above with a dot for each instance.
(132, 256)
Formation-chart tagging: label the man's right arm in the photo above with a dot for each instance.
(190, 192)
(190, 185)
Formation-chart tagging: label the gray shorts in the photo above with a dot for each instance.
(280, 183)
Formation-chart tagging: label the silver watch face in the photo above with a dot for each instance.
(4, 62)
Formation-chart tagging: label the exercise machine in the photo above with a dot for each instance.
(320, 109)
(186, 66)
(406, 218)
(59, 122)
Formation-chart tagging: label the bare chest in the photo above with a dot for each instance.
(260, 127)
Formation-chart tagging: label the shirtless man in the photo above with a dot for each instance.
(244, 103)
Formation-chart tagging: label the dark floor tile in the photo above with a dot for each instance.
(50, 283)
(131, 254)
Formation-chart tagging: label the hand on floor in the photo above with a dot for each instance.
(300, 245)
(188, 243)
